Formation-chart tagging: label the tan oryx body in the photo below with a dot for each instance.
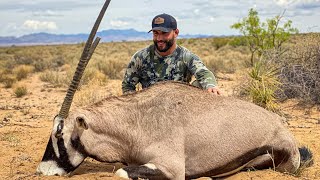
(169, 131)
(176, 126)
(182, 130)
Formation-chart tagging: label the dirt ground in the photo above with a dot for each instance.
(25, 125)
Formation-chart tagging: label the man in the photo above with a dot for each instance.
(165, 60)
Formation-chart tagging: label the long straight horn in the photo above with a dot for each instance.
(84, 59)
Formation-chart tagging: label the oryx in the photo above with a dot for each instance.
(168, 131)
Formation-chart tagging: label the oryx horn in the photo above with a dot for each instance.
(84, 59)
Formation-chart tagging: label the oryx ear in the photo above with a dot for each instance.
(81, 122)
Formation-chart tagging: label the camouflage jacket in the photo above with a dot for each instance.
(179, 66)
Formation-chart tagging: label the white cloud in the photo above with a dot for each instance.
(118, 23)
(284, 3)
(39, 25)
(196, 11)
(211, 19)
(45, 13)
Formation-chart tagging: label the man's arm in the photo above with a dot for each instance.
(131, 77)
(203, 75)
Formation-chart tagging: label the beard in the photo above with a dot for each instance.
(168, 45)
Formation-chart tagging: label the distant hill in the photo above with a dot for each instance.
(106, 36)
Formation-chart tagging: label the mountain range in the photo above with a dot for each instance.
(111, 35)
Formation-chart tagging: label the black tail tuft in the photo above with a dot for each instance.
(306, 157)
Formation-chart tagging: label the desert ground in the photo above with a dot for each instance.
(26, 122)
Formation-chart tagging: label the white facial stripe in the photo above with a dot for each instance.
(55, 146)
(122, 173)
(150, 166)
(57, 120)
(50, 168)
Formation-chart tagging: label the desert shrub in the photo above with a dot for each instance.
(181, 41)
(112, 68)
(8, 80)
(20, 91)
(219, 42)
(90, 93)
(300, 69)
(24, 59)
(221, 65)
(226, 60)
(238, 41)
(53, 77)
(262, 85)
(22, 71)
(41, 65)
(1, 74)
(89, 75)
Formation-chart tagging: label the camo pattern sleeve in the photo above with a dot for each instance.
(203, 75)
(132, 74)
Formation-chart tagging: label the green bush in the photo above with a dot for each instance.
(20, 91)
(220, 42)
(238, 41)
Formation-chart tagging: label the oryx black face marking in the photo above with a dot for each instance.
(63, 161)
(77, 145)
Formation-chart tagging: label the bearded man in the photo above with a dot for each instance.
(165, 60)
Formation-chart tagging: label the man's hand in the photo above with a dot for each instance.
(214, 90)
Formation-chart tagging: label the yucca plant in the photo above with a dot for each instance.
(263, 84)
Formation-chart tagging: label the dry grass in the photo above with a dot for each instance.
(22, 71)
(11, 138)
(8, 80)
(300, 67)
(90, 93)
(53, 77)
(20, 91)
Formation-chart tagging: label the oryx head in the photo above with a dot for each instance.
(64, 152)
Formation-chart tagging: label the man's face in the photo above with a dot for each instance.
(164, 40)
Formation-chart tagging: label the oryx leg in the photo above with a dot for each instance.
(166, 164)
(146, 171)
(158, 168)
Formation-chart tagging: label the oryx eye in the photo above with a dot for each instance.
(59, 130)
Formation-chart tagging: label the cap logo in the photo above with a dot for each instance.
(159, 20)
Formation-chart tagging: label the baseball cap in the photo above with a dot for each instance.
(164, 22)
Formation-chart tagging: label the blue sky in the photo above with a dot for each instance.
(212, 17)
